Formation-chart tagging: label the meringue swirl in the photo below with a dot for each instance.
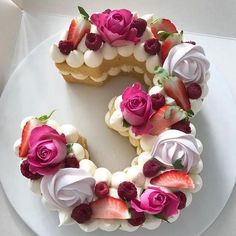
(188, 62)
(69, 187)
(173, 145)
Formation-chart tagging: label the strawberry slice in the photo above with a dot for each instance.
(165, 117)
(24, 146)
(162, 25)
(78, 28)
(171, 41)
(173, 179)
(109, 208)
(175, 88)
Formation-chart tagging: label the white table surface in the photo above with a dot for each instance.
(11, 224)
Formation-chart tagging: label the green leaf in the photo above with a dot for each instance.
(178, 165)
(45, 118)
(160, 216)
(83, 13)
(190, 113)
(164, 35)
(161, 74)
(126, 124)
(69, 148)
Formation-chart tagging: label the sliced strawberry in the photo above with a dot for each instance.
(24, 146)
(78, 28)
(175, 88)
(109, 208)
(171, 41)
(173, 179)
(162, 25)
(165, 117)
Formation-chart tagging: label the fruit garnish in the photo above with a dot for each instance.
(65, 46)
(171, 41)
(174, 88)
(158, 101)
(152, 167)
(82, 213)
(183, 125)
(173, 179)
(25, 171)
(152, 46)
(127, 191)
(140, 24)
(182, 199)
(137, 218)
(165, 117)
(162, 25)
(109, 208)
(71, 162)
(93, 41)
(101, 189)
(194, 91)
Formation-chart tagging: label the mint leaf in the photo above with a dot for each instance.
(178, 165)
(83, 13)
(69, 148)
(164, 35)
(160, 216)
(190, 113)
(45, 118)
(125, 123)
(161, 74)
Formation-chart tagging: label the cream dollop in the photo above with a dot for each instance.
(75, 59)
(67, 188)
(173, 145)
(56, 55)
(93, 59)
(188, 62)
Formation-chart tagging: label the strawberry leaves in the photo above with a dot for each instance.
(83, 13)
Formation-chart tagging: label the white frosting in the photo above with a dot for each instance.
(126, 51)
(79, 76)
(65, 217)
(109, 52)
(147, 35)
(93, 58)
(88, 166)
(138, 70)
(188, 62)
(64, 35)
(126, 68)
(117, 102)
(197, 169)
(126, 226)
(205, 90)
(34, 186)
(114, 71)
(109, 225)
(147, 81)
(139, 52)
(77, 150)
(99, 79)
(174, 218)
(193, 129)
(196, 105)
(144, 157)
(133, 141)
(197, 180)
(17, 146)
(116, 121)
(56, 55)
(151, 222)
(152, 62)
(156, 89)
(135, 175)
(102, 175)
(132, 134)
(90, 226)
(24, 121)
(189, 197)
(69, 187)
(113, 193)
(52, 123)
(147, 142)
(75, 59)
(94, 29)
(148, 18)
(70, 133)
(117, 178)
(82, 47)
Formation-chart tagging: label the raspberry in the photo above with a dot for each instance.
(140, 24)
(24, 168)
(182, 199)
(183, 126)
(93, 41)
(137, 218)
(194, 91)
(65, 46)
(152, 46)
(71, 162)
(151, 167)
(158, 100)
(82, 213)
(101, 189)
(127, 191)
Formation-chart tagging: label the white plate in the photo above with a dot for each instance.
(36, 88)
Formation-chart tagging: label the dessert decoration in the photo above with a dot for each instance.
(160, 181)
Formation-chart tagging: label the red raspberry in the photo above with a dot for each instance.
(82, 213)
(101, 189)
(182, 199)
(93, 41)
(71, 162)
(137, 218)
(151, 167)
(140, 24)
(24, 168)
(127, 191)
(158, 101)
(152, 46)
(183, 126)
(66, 46)
(194, 91)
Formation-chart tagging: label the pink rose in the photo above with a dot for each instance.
(156, 201)
(136, 107)
(114, 27)
(47, 150)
